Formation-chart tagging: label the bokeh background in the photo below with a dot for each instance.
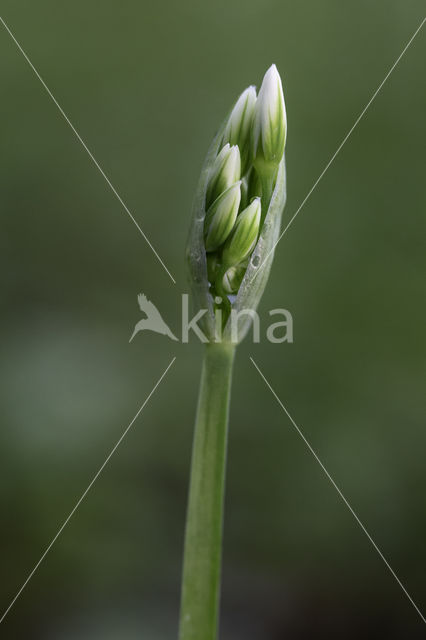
(146, 84)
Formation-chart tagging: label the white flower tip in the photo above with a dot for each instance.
(255, 206)
(272, 74)
(250, 91)
(270, 121)
(248, 95)
(224, 150)
(271, 84)
(237, 130)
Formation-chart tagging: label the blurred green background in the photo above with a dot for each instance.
(146, 84)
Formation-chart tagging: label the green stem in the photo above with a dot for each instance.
(225, 306)
(267, 181)
(203, 535)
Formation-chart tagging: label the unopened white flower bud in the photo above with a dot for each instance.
(270, 121)
(244, 235)
(226, 171)
(238, 127)
(221, 216)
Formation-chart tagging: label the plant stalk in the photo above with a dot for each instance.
(204, 523)
(267, 182)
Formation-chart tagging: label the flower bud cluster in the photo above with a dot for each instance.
(241, 181)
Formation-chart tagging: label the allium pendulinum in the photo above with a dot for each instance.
(235, 225)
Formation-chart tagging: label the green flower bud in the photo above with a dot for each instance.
(225, 171)
(221, 216)
(270, 122)
(233, 278)
(244, 235)
(238, 127)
